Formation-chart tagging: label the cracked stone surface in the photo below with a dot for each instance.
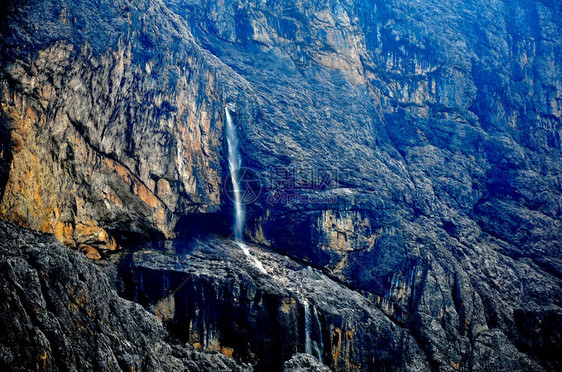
(439, 120)
(59, 313)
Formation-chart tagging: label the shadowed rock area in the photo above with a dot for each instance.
(211, 294)
(435, 243)
(59, 313)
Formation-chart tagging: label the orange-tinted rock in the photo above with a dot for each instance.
(90, 252)
(82, 161)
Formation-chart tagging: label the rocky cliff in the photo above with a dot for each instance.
(408, 151)
(114, 121)
(59, 313)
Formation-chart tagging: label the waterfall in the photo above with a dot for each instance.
(318, 346)
(246, 250)
(313, 343)
(307, 328)
(234, 164)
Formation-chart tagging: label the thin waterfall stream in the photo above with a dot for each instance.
(313, 343)
(234, 165)
(313, 334)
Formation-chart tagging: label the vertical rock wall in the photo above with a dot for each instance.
(115, 130)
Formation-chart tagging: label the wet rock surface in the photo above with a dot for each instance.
(59, 313)
(212, 294)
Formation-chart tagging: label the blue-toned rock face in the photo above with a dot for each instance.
(408, 150)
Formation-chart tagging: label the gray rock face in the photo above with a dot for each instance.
(442, 120)
(210, 293)
(59, 313)
(439, 121)
(303, 363)
(213, 295)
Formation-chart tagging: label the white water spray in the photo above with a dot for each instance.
(234, 164)
(257, 263)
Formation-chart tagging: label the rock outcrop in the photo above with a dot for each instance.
(304, 363)
(212, 295)
(115, 125)
(59, 313)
